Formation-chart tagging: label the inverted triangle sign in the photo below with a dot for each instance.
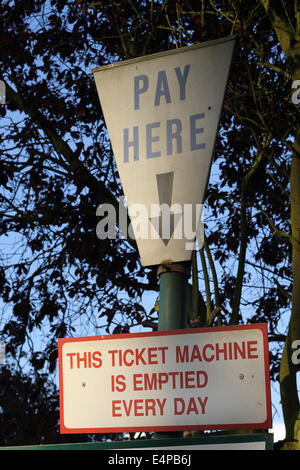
(162, 114)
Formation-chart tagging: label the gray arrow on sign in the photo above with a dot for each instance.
(166, 222)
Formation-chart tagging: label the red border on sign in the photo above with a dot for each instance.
(267, 424)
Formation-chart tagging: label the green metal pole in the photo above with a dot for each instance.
(173, 298)
(172, 308)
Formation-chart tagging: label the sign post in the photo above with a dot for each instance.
(173, 296)
(162, 114)
(172, 306)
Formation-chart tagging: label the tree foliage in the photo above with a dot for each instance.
(56, 166)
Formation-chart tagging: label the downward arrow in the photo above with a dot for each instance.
(165, 230)
(165, 223)
(165, 188)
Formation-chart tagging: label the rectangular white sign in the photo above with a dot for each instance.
(193, 379)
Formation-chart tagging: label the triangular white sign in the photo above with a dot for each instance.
(162, 113)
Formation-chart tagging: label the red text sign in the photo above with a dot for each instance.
(208, 378)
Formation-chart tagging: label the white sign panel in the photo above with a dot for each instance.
(162, 113)
(214, 378)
